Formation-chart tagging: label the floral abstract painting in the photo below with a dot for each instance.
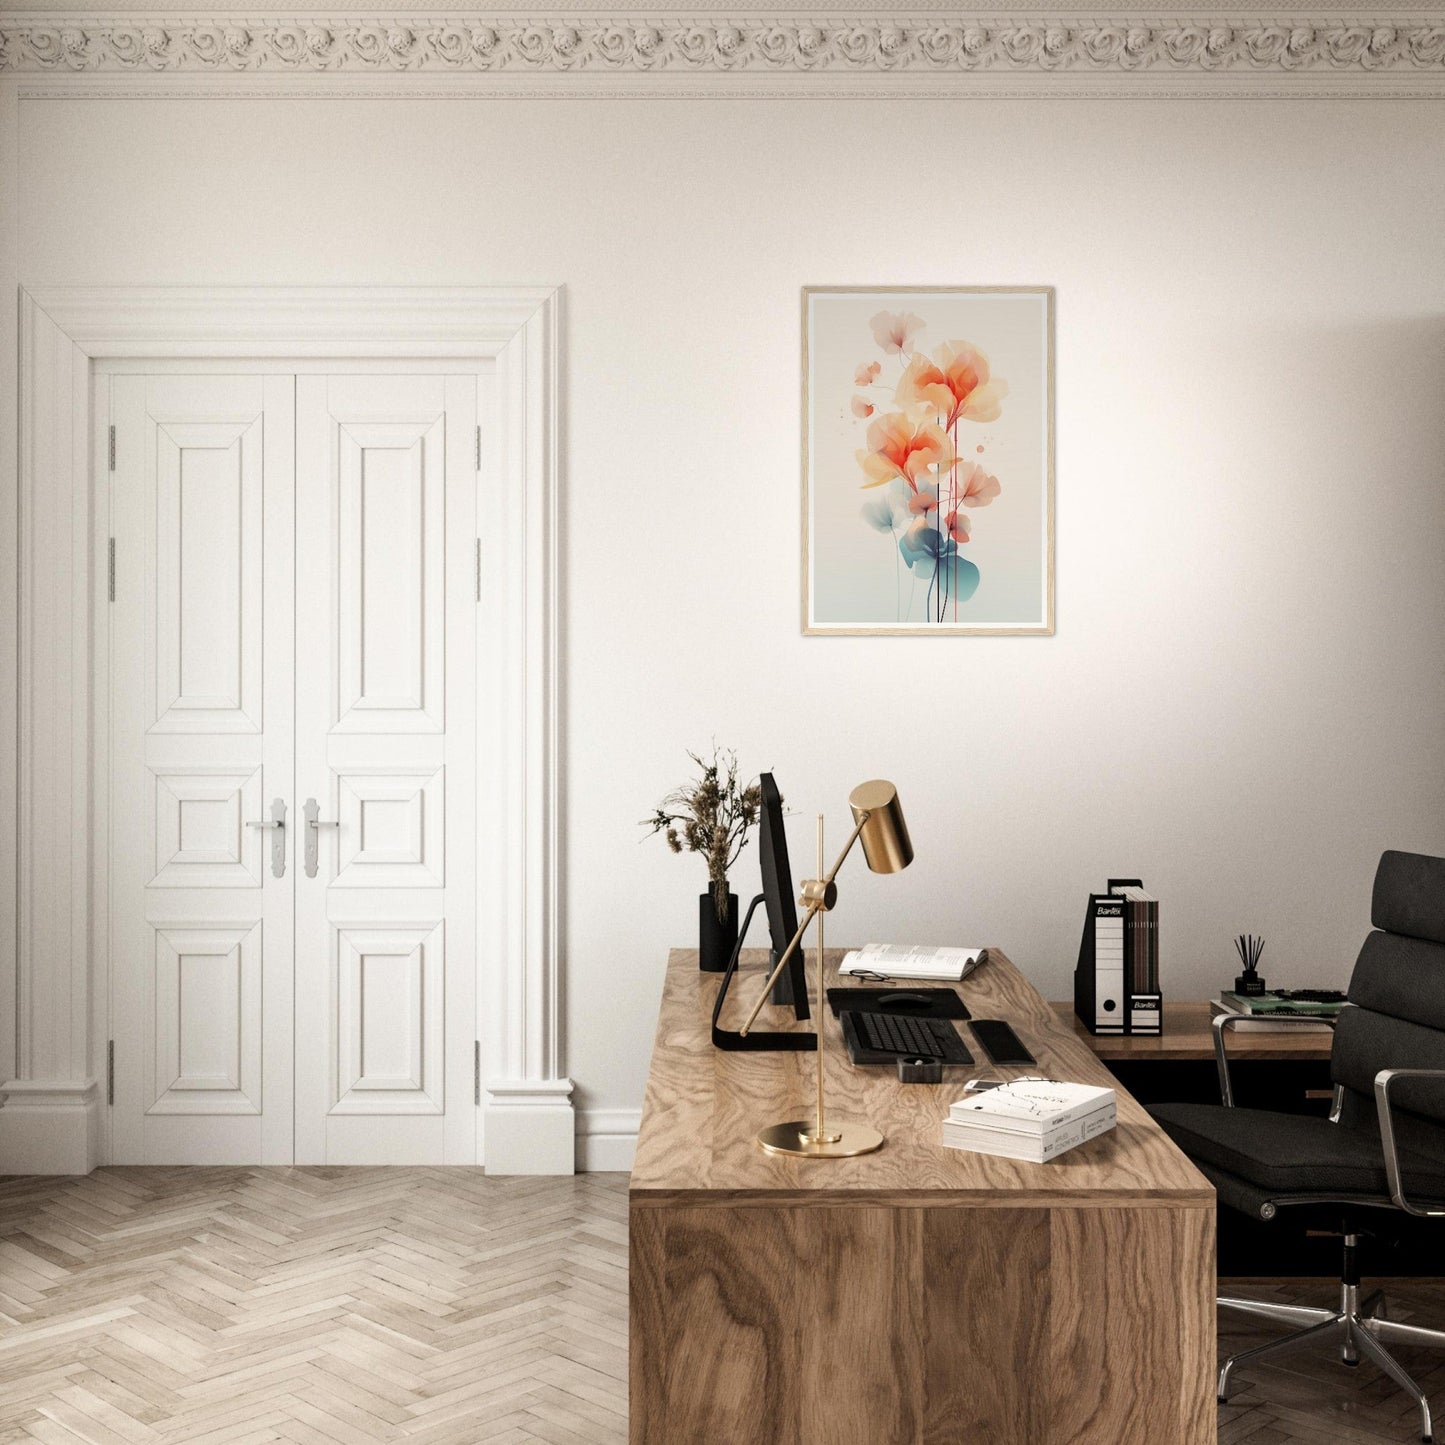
(928, 460)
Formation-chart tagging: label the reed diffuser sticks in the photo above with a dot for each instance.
(1249, 947)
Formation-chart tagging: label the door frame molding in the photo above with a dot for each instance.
(52, 1117)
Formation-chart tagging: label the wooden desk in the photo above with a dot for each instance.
(1188, 1036)
(918, 1294)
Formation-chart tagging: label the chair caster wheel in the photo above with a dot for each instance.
(1353, 1364)
(1221, 1399)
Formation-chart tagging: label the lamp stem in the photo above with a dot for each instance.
(822, 999)
(815, 910)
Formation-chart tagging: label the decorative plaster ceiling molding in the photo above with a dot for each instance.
(1360, 53)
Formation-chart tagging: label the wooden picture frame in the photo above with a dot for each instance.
(928, 460)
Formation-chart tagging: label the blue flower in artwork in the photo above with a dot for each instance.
(962, 577)
(921, 545)
(930, 554)
(888, 510)
(879, 514)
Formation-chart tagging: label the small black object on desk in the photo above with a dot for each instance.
(1249, 948)
(1000, 1042)
(919, 1003)
(920, 1071)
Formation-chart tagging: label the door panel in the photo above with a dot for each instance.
(201, 741)
(208, 554)
(385, 736)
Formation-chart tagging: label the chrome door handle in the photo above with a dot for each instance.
(314, 825)
(277, 821)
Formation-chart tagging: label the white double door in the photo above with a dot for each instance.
(292, 642)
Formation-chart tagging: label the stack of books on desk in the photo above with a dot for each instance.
(1032, 1119)
(1266, 1012)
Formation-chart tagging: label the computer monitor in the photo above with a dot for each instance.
(777, 898)
(791, 987)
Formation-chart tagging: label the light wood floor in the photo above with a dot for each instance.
(313, 1305)
(344, 1306)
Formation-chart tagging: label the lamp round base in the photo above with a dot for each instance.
(795, 1137)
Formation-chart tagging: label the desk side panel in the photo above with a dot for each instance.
(868, 1326)
(1131, 1356)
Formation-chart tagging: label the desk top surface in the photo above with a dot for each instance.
(1188, 1036)
(704, 1106)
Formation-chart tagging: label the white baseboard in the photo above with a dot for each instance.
(49, 1126)
(607, 1139)
(530, 1127)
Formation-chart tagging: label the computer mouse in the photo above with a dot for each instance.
(904, 1000)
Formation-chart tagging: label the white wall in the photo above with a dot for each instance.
(1243, 701)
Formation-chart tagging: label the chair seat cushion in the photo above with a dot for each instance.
(1292, 1153)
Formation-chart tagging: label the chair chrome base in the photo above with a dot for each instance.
(1359, 1327)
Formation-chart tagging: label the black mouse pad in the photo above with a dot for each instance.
(917, 1003)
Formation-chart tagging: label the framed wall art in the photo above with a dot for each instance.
(928, 460)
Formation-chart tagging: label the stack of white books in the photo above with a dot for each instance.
(1033, 1119)
(903, 960)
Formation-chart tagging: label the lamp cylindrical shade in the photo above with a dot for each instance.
(885, 840)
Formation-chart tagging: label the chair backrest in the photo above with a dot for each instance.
(1398, 993)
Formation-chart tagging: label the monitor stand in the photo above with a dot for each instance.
(755, 1040)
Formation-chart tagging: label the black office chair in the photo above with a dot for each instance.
(1381, 1151)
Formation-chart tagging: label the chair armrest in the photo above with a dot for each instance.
(1222, 1023)
(1383, 1080)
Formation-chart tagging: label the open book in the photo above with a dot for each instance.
(901, 960)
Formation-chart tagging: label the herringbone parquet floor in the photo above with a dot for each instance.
(236, 1306)
(346, 1306)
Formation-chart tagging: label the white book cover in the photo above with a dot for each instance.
(1030, 1105)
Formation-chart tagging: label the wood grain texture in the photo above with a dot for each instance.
(703, 1108)
(1187, 1036)
(919, 1295)
(148, 1306)
(320, 1306)
(857, 1325)
(966, 1247)
(1132, 1318)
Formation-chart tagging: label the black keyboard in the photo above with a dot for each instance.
(882, 1038)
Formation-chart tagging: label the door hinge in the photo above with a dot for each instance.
(477, 1072)
(110, 1072)
(479, 447)
(479, 569)
(110, 569)
(112, 448)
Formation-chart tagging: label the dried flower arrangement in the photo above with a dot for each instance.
(711, 816)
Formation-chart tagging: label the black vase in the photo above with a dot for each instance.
(716, 940)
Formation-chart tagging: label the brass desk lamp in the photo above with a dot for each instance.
(878, 823)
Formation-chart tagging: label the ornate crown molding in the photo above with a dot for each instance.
(711, 46)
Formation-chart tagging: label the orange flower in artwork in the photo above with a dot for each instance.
(895, 333)
(898, 446)
(862, 407)
(924, 500)
(867, 375)
(956, 524)
(956, 384)
(976, 488)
